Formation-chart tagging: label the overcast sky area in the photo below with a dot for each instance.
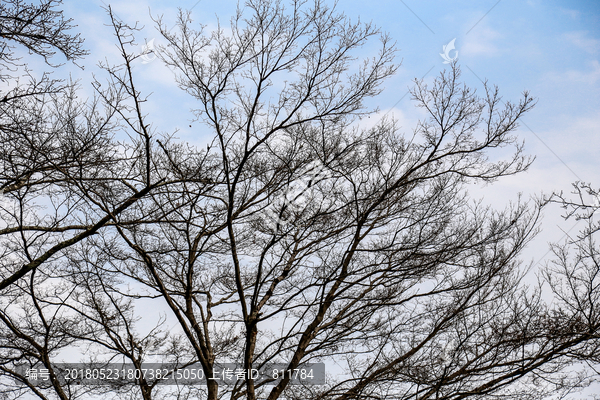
(549, 48)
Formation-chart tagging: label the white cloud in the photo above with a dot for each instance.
(588, 77)
(579, 141)
(481, 41)
(574, 14)
(582, 40)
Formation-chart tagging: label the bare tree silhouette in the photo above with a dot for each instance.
(299, 234)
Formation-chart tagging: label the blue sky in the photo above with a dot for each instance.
(550, 48)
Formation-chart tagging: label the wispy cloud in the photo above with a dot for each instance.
(482, 41)
(584, 41)
(574, 14)
(590, 76)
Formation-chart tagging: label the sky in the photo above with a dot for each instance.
(549, 48)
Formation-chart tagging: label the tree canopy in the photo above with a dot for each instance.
(298, 235)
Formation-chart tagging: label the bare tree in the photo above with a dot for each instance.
(574, 273)
(64, 177)
(41, 29)
(61, 181)
(301, 234)
(56, 148)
